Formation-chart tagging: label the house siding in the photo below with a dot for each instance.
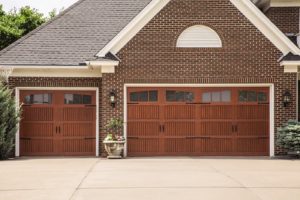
(246, 56)
(286, 19)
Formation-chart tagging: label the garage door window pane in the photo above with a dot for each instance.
(243, 97)
(144, 96)
(38, 99)
(206, 97)
(179, 96)
(252, 96)
(262, 97)
(78, 99)
(226, 96)
(87, 99)
(153, 96)
(216, 97)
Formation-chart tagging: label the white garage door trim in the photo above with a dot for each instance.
(271, 110)
(17, 99)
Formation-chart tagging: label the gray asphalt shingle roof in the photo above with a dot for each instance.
(76, 35)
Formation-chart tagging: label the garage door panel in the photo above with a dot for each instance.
(36, 146)
(179, 129)
(37, 114)
(178, 145)
(218, 146)
(214, 128)
(143, 112)
(179, 112)
(140, 129)
(215, 111)
(253, 112)
(82, 129)
(79, 114)
(253, 128)
(253, 145)
(79, 146)
(143, 146)
(33, 129)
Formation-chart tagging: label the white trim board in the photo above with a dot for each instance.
(86, 73)
(271, 94)
(17, 99)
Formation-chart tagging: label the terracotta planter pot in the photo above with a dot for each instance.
(114, 149)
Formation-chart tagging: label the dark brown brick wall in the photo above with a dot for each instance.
(246, 57)
(286, 19)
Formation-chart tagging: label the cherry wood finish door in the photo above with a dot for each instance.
(58, 123)
(198, 121)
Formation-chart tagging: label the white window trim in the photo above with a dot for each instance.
(271, 94)
(17, 100)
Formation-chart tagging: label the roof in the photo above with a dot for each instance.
(74, 36)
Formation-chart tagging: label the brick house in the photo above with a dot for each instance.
(190, 77)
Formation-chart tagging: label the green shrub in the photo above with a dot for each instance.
(289, 136)
(9, 119)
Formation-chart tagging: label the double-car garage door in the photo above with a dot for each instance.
(198, 121)
(58, 123)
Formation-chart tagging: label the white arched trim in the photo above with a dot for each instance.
(199, 36)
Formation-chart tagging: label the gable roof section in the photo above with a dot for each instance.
(246, 7)
(75, 36)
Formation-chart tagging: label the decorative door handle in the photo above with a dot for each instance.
(59, 129)
(56, 129)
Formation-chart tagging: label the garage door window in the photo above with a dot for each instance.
(217, 96)
(179, 96)
(144, 96)
(252, 96)
(78, 99)
(38, 99)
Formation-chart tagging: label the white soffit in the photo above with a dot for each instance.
(121, 39)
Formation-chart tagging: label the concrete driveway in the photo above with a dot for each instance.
(150, 179)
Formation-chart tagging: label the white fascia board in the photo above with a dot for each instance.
(40, 67)
(285, 63)
(122, 38)
(290, 66)
(102, 63)
(88, 73)
(290, 69)
(285, 3)
(266, 27)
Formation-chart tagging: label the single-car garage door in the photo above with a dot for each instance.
(198, 121)
(58, 123)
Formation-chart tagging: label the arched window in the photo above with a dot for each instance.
(199, 36)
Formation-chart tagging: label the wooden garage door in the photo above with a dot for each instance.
(198, 121)
(58, 123)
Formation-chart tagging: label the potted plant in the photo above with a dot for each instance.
(114, 141)
(289, 138)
